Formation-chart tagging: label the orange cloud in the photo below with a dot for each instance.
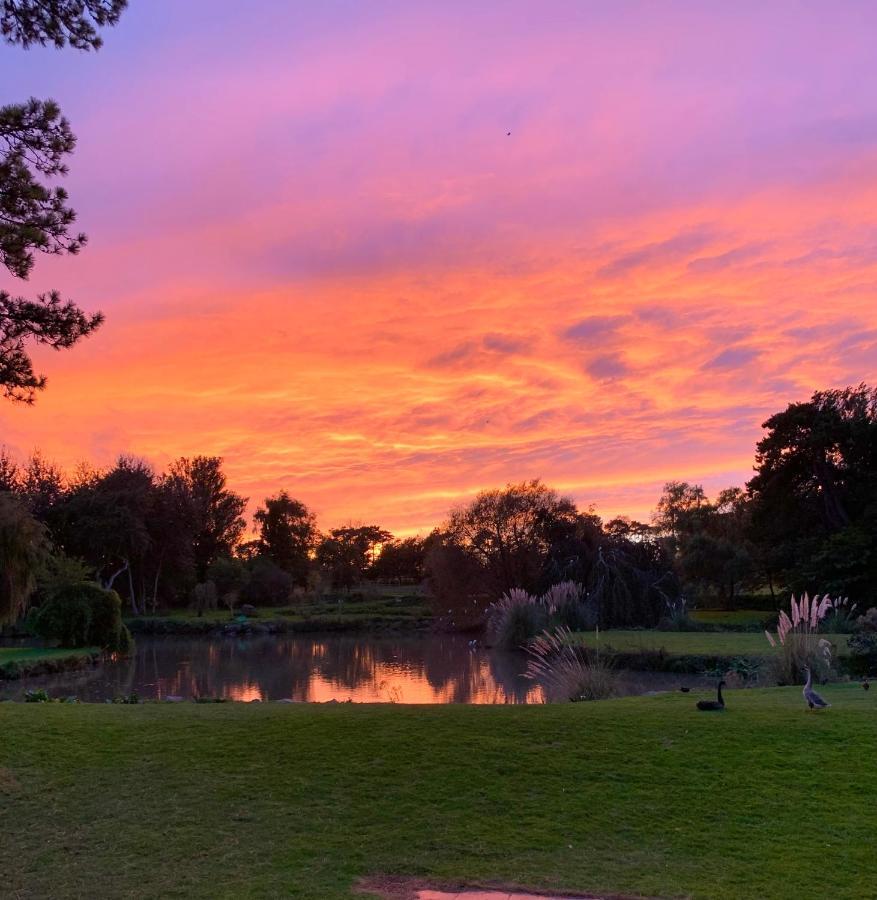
(337, 270)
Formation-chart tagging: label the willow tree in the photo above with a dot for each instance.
(23, 546)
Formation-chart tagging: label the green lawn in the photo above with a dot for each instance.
(694, 643)
(733, 617)
(641, 796)
(18, 661)
(32, 654)
(383, 609)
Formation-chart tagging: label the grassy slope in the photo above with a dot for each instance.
(642, 795)
(720, 643)
(34, 654)
(730, 617)
(382, 608)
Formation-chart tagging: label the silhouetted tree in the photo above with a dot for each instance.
(400, 561)
(510, 532)
(346, 553)
(814, 494)
(707, 541)
(35, 140)
(208, 512)
(678, 509)
(106, 522)
(287, 534)
(41, 485)
(10, 473)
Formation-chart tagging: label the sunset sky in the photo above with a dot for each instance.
(322, 256)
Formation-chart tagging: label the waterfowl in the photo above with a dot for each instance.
(814, 701)
(713, 705)
(865, 685)
(685, 690)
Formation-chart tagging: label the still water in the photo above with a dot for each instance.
(314, 668)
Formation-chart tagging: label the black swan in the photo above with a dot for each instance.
(712, 705)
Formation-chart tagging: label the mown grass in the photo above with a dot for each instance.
(32, 654)
(642, 795)
(732, 618)
(19, 662)
(378, 611)
(693, 643)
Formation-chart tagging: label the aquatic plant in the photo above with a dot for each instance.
(568, 672)
(515, 618)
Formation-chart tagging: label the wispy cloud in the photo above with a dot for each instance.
(323, 256)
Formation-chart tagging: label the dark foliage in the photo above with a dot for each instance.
(400, 561)
(82, 615)
(346, 554)
(527, 536)
(58, 22)
(202, 505)
(287, 534)
(814, 494)
(23, 547)
(34, 140)
(511, 532)
(266, 583)
(35, 217)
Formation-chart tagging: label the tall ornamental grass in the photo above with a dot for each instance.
(798, 642)
(567, 672)
(518, 616)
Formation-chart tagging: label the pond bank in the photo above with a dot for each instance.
(387, 613)
(185, 627)
(32, 662)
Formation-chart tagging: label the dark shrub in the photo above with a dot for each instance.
(82, 615)
(267, 585)
(863, 653)
(37, 696)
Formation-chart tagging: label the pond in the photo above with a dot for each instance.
(318, 668)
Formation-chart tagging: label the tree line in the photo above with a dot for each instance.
(175, 537)
(806, 520)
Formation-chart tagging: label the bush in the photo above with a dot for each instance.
(82, 615)
(267, 584)
(37, 696)
(868, 622)
(863, 653)
(515, 619)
